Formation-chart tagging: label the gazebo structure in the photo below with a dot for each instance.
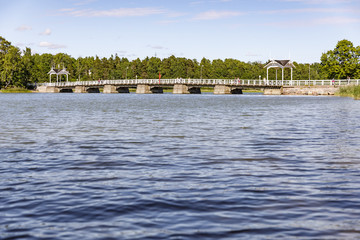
(279, 64)
(58, 72)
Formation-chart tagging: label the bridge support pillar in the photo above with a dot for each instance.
(52, 90)
(143, 89)
(222, 89)
(273, 91)
(184, 89)
(48, 89)
(180, 89)
(80, 89)
(109, 89)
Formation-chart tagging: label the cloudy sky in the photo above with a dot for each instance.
(248, 30)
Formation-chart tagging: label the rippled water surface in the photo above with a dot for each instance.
(129, 166)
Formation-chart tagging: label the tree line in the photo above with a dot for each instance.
(23, 68)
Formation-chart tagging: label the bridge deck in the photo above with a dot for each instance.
(243, 83)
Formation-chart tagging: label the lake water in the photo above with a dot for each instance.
(130, 166)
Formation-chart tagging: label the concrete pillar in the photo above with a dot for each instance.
(80, 89)
(273, 91)
(52, 89)
(180, 89)
(222, 89)
(110, 89)
(143, 89)
(41, 89)
(47, 89)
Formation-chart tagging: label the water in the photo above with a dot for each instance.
(128, 166)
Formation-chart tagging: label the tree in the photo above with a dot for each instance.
(153, 67)
(10, 68)
(4, 48)
(26, 69)
(205, 68)
(342, 62)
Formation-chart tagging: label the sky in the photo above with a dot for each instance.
(247, 30)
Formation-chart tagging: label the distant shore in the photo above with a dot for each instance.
(16, 90)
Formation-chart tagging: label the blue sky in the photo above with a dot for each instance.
(248, 30)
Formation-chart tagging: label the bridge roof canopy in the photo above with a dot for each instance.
(58, 71)
(280, 64)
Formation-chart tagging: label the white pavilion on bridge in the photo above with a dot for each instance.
(279, 64)
(58, 72)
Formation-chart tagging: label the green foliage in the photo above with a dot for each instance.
(343, 61)
(15, 90)
(350, 91)
(21, 69)
(11, 67)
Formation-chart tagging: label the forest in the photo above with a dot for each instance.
(22, 68)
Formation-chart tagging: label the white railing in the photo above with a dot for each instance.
(206, 82)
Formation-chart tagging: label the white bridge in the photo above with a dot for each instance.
(180, 86)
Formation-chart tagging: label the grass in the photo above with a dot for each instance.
(350, 91)
(15, 90)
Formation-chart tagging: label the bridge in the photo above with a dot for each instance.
(193, 86)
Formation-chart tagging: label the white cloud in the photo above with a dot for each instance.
(20, 44)
(23, 28)
(120, 12)
(212, 15)
(176, 14)
(47, 32)
(51, 45)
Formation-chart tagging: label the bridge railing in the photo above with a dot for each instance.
(207, 82)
